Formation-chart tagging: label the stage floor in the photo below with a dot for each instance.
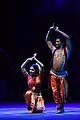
(18, 111)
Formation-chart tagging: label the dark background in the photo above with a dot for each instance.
(23, 28)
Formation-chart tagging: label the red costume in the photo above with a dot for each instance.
(33, 97)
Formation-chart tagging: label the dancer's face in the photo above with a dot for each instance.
(58, 43)
(32, 71)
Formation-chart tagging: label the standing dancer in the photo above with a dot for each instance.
(58, 73)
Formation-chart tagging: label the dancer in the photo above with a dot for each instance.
(33, 97)
(58, 72)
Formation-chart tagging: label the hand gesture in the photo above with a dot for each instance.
(34, 56)
(30, 59)
(52, 27)
(56, 29)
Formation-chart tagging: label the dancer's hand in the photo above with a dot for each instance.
(52, 27)
(30, 59)
(56, 29)
(34, 56)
